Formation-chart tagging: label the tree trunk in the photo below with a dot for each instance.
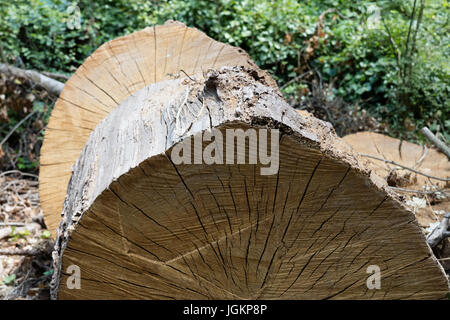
(141, 225)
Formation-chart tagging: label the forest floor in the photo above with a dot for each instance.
(25, 244)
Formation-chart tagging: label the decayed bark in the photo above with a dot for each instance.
(140, 226)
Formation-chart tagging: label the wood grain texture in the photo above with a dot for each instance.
(109, 76)
(141, 227)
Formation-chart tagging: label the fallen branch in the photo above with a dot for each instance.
(438, 143)
(51, 85)
(19, 172)
(56, 75)
(10, 231)
(404, 167)
(12, 224)
(23, 252)
(440, 232)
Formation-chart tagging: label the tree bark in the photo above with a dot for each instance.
(138, 225)
(438, 143)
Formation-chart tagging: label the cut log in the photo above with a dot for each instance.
(110, 75)
(428, 161)
(403, 152)
(138, 224)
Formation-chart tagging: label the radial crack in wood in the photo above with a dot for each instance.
(140, 225)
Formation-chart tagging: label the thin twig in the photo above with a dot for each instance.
(17, 126)
(12, 224)
(414, 39)
(295, 79)
(394, 48)
(20, 172)
(2, 54)
(404, 167)
(422, 157)
(186, 74)
(22, 252)
(411, 22)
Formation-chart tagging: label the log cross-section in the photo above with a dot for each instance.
(139, 225)
(109, 76)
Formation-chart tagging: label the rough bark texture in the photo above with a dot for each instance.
(141, 227)
(109, 76)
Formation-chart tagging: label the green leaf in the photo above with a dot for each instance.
(9, 280)
(46, 234)
(48, 273)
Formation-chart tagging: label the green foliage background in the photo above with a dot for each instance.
(354, 52)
